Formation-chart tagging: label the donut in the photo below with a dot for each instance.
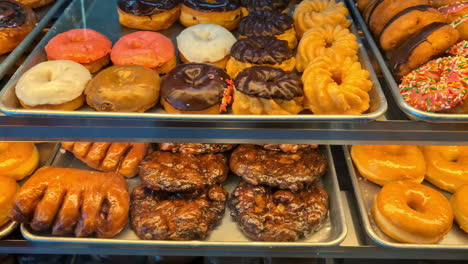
(150, 49)
(53, 85)
(8, 190)
(433, 40)
(312, 13)
(260, 51)
(250, 6)
(407, 23)
(447, 166)
(195, 88)
(439, 85)
(459, 49)
(457, 15)
(263, 90)
(269, 24)
(85, 46)
(16, 23)
(18, 159)
(362, 4)
(460, 209)
(205, 43)
(35, 3)
(336, 42)
(412, 213)
(440, 3)
(127, 88)
(387, 163)
(336, 89)
(226, 13)
(461, 24)
(148, 15)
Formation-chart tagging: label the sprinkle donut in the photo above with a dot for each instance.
(459, 49)
(439, 85)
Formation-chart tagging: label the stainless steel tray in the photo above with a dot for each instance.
(102, 16)
(332, 232)
(366, 191)
(410, 111)
(44, 14)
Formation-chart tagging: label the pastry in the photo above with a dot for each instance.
(205, 43)
(460, 209)
(260, 51)
(150, 49)
(263, 90)
(362, 4)
(459, 49)
(177, 172)
(162, 215)
(457, 15)
(440, 3)
(123, 158)
(53, 85)
(85, 46)
(226, 13)
(75, 201)
(18, 159)
(8, 190)
(148, 14)
(196, 88)
(195, 148)
(16, 22)
(387, 163)
(461, 25)
(289, 148)
(412, 213)
(268, 214)
(293, 171)
(250, 6)
(35, 3)
(129, 88)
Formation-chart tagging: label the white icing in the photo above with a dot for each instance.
(52, 82)
(205, 43)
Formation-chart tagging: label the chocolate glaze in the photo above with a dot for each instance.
(269, 83)
(401, 54)
(194, 86)
(213, 5)
(261, 50)
(404, 12)
(265, 23)
(12, 14)
(146, 7)
(370, 8)
(261, 5)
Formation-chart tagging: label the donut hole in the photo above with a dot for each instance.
(416, 201)
(337, 78)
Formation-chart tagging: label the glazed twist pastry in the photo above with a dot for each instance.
(73, 201)
(123, 158)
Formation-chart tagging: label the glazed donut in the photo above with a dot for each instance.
(85, 46)
(148, 15)
(250, 6)
(438, 85)
(457, 15)
(440, 3)
(16, 23)
(460, 209)
(311, 13)
(18, 159)
(54, 85)
(150, 49)
(226, 13)
(335, 42)
(35, 3)
(341, 89)
(412, 213)
(8, 190)
(205, 43)
(461, 24)
(384, 164)
(260, 51)
(447, 166)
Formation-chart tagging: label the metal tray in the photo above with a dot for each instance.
(366, 191)
(410, 111)
(44, 14)
(332, 232)
(102, 16)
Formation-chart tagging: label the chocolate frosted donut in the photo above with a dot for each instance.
(261, 50)
(261, 5)
(212, 5)
(146, 7)
(12, 14)
(265, 23)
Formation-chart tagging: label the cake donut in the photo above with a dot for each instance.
(35, 3)
(263, 90)
(150, 49)
(460, 209)
(388, 163)
(205, 43)
(16, 22)
(8, 190)
(250, 6)
(85, 46)
(461, 24)
(438, 85)
(53, 85)
(18, 159)
(260, 51)
(457, 16)
(226, 13)
(459, 49)
(269, 24)
(148, 14)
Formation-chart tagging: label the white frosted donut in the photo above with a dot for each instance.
(205, 43)
(52, 82)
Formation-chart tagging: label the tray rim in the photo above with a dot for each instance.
(8, 228)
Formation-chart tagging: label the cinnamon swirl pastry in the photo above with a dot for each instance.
(148, 14)
(16, 21)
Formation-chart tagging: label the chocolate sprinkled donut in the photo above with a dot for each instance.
(147, 7)
(212, 5)
(12, 14)
(261, 50)
(265, 23)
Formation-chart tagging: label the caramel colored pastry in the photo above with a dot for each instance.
(123, 158)
(35, 3)
(18, 159)
(148, 15)
(17, 20)
(71, 201)
(128, 88)
(8, 190)
(460, 208)
(226, 13)
(362, 4)
(195, 148)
